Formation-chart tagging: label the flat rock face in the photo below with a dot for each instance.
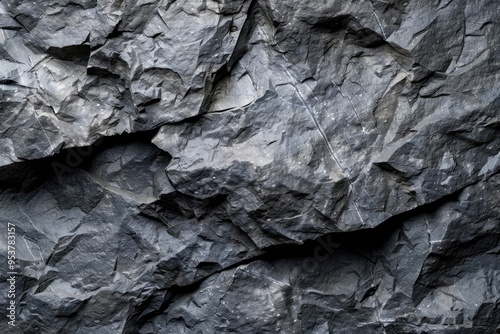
(261, 166)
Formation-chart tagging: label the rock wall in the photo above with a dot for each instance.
(262, 166)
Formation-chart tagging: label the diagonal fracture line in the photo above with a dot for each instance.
(31, 222)
(378, 20)
(43, 130)
(344, 169)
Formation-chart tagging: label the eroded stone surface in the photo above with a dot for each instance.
(251, 166)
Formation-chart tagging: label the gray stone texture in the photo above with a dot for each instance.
(263, 166)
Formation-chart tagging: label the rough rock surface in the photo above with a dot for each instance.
(262, 166)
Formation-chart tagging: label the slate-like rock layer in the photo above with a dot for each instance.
(261, 166)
